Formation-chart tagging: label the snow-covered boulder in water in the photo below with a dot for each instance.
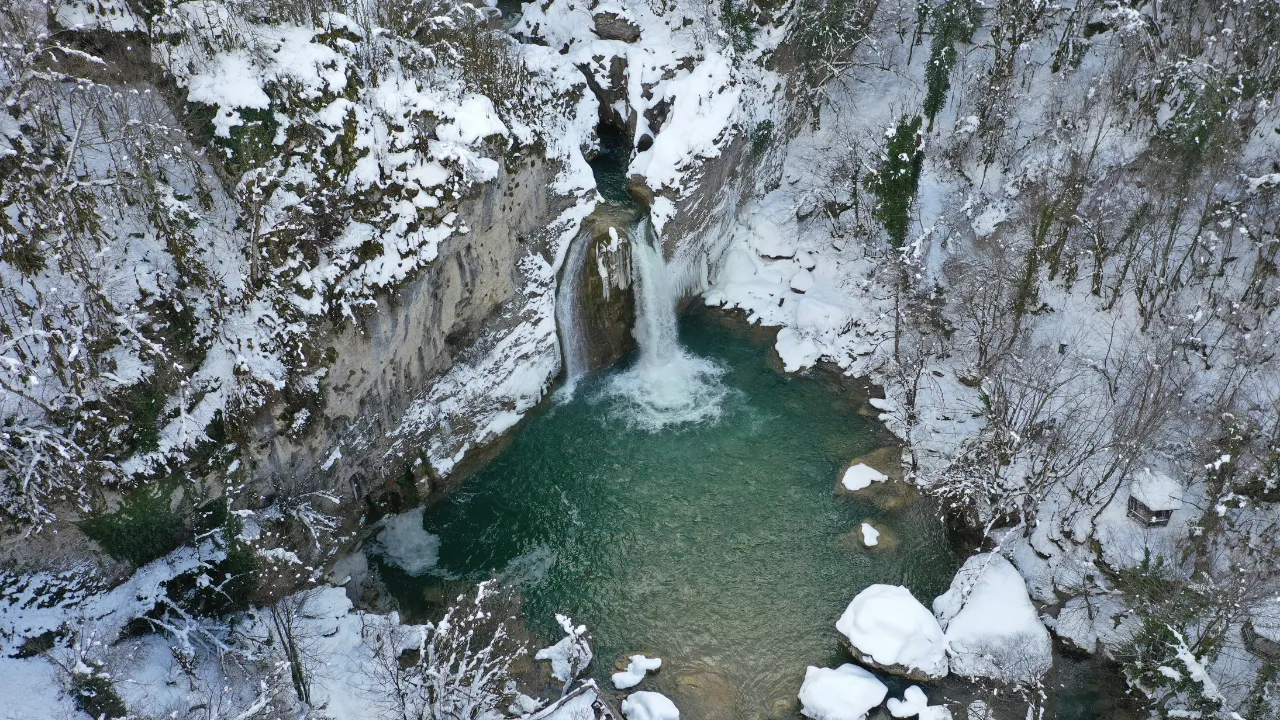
(571, 655)
(638, 666)
(845, 693)
(860, 476)
(915, 703)
(992, 628)
(645, 705)
(887, 628)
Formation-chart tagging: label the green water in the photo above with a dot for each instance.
(610, 165)
(721, 546)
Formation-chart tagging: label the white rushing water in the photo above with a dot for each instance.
(667, 385)
(573, 343)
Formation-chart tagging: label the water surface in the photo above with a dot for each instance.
(719, 545)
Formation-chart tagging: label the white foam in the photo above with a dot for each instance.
(667, 385)
(404, 543)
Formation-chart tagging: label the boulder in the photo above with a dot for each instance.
(845, 693)
(886, 628)
(613, 26)
(992, 629)
(645, 705)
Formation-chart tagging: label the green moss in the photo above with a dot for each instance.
(143, 529)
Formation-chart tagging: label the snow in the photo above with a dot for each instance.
(110, 15)
(886, 624)
(845, 693)
(32, 690)
(1156, 490)
(646, 705)
(797, 351)
(1098, 619)
(635, 672)
(914, 703)
(860, 476)
(575, 707)
(769, 240)
(403, 542)
(703, 102)
(26, 610)
(802, 281)
(474, 120)
(991, 626)
(571, 655)
(870, 535)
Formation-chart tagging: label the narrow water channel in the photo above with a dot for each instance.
(719, 544)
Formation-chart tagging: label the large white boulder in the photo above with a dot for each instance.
(887, 628)
(845, 693)
(992, 628)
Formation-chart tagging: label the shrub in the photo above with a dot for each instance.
(896, 179)
(94, 695)
(143, 529)
(952, 22)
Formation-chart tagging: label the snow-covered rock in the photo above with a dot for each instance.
(992, 629)
(645, 705)
(914, 703)
(797, 351)
(870, 535)
(1086, 621)
(888, 629)
(635, 671)
(571, 655)
(845, 693)
(575, 706)
(861, 476)
(802, 281)
(768, 240)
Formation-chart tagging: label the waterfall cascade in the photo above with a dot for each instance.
(667, 385)
(569, 320)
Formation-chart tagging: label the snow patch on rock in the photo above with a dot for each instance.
(887, 627)
(845, 693)
(646, 705)
(635, 672)
(991, 626)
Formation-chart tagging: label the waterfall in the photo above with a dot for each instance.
(667, 385)
(655, 329)
(569, 320)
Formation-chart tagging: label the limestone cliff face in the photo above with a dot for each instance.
(419, 385)
(473, 290)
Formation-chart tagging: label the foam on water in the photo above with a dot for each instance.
(667, 385)
(405, 544)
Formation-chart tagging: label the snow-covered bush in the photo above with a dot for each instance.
(454, 668)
